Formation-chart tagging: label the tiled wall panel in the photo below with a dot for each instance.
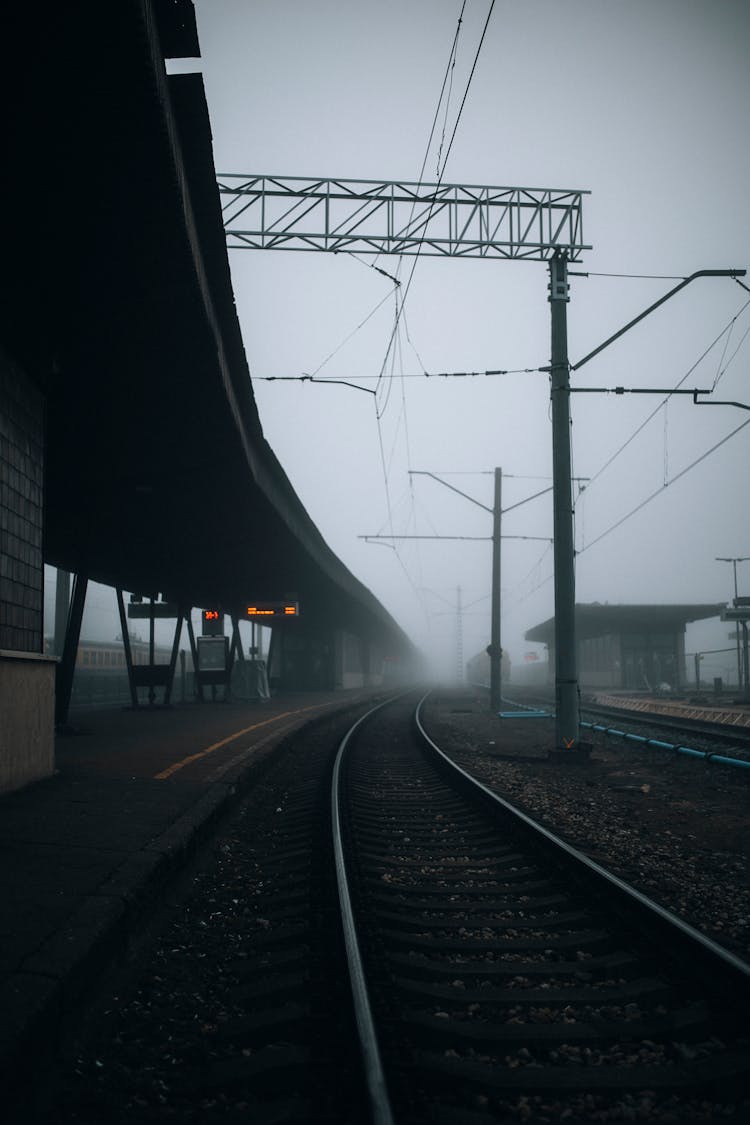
(21, 479)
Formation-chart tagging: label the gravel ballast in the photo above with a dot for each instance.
(675, 828)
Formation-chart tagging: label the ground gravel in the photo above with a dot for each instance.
(676, 828)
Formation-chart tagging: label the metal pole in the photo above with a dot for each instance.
(495, 651)
(62, 602)
(66, 667)
(194, 654)
(173, 656)
(126, 646)
(459, 638)
(737, 632)
(151, 648)
(566, 676)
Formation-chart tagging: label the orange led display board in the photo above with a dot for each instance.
(213, 622)
(272, 609)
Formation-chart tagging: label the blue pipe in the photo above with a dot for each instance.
(728, 761)
(707, 755)
(523, 714)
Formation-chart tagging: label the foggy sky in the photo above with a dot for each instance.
(644, 104)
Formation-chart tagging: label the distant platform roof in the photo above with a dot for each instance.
(597, 620)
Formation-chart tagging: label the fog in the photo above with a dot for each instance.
(643, 104)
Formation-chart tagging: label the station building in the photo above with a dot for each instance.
(628, 647)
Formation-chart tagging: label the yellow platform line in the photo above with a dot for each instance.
(230, 738)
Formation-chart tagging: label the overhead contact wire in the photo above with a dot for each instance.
(400, 307)
(663, 487)
(656, 409)
(468, 84)
(450, 146)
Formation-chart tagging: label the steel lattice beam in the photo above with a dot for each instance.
(379, 217)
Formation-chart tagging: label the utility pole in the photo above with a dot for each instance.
(566, 678)
(495, 651)
(459, 638)
(566, 674)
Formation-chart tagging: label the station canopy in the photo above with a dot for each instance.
(119, 303)
(598, 620)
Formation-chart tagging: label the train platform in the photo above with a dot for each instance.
(733, 711)
(85, 852)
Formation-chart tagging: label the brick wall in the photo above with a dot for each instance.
(21, 480)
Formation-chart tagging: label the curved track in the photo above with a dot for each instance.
(506, 976)
(501, 977)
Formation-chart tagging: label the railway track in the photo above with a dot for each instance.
(497, 975)
(715, 738)
(509, 977)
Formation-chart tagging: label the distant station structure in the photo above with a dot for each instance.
(131, 451)
(628, 647)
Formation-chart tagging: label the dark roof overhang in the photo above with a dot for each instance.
(157, 475)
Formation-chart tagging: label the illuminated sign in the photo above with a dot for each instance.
(213, 623)
(272, 609)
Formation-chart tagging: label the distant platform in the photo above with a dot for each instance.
(732, 714)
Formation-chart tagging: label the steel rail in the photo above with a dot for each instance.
(380, 1105)
(711, 729)
(734, 972)
(734, 735)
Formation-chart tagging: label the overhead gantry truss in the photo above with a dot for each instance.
(380, 217)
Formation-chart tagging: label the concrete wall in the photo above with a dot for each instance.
(361, 662)
(351, 654)
(27, 716)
